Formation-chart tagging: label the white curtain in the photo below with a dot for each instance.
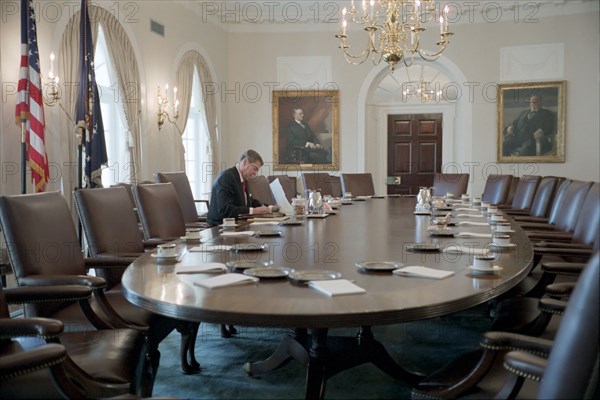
(185, 78)
(121, 51)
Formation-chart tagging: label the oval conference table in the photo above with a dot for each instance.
(378, 229)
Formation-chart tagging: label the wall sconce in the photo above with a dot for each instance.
(51, 96)
(163, 107)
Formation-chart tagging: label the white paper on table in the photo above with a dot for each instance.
(279, 196)
(212, 247)
(422, 272)
(258, 223)
(467, 250)
(225, 280)
(472, 234)
(336, 287)
(466, 209)
(468, 223)
(470, 215)
(237, 233)
(206, 268)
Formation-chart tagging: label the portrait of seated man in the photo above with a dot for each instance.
(532, 133)
(303, 143)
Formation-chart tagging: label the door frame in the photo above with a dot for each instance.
(448, 112)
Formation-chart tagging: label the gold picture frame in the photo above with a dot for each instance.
(293, 148)
(531, 122)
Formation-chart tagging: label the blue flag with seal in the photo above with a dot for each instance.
(87, 113)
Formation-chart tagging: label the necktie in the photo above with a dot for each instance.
(245, 195)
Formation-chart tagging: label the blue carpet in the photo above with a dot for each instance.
(422, 346)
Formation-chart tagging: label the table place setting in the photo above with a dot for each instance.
(225, 280)
(422, 272)
(211, 247)
(238, 233)
(471, 223)
(259, 223)
(207, 268)
(337, 287)
(472, 234)
(473, 251)
(483, 265)
(470, 216)
(378, 266)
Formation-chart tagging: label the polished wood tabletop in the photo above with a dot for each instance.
(372, 230)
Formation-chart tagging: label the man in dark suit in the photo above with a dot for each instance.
(299, 135)
(532, 133)
(229, 197)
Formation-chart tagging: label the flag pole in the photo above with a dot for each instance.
(23, 157)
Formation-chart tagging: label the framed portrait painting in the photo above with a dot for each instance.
(306, 130)
(531, 122)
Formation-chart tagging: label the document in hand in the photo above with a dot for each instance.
(336, 287)
(280, 199)
(423, 272)
(225, 280)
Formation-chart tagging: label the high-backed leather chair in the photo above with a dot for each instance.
(335, 184)
(566, 367)
(114, 241)
(554, 208)
(160, 212)
(47, 260)
(258, 188)
(542, 199)
(358, 184)
(456, 184)
(524, 193)
(316, 181)
(513, 189)
(288, 184)
(181, 183)
(497, 188)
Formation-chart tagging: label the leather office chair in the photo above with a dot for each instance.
(316, 181)
(116, 245)
(554, 207)
(259, 188)
(335, 184)
(542, 199)
(524, 193)
(160, 211)
(358, 184)
(497, 188)
(511, 193)
(186, 199)
(566, 367)
(456, 184)
(49, 267)
(288, 184)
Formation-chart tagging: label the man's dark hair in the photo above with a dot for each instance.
(252, 157)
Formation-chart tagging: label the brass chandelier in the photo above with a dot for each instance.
(394, 30)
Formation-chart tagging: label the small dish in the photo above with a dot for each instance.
(243, 265)
(191, 240)
(290, 223)
(347, 202)
(269, 272)
(302, 277)
(503, 246)
(423, 247)
(269, 233)
(249, 247)
(379, 265)
(422, 213)
(494, 269)
(361, 198)
(441, 233)
(377, 197)
(163, 257)
(324, 215)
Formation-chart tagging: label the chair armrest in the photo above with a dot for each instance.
(95, 282)
(153, 242)
(563, 251)
(536, 226)
(507, 341)
(563, 268)
(555, 236)
(528, 218)
(525, 365)
(13, 365)
(39, 327)
(106, 261)
(517, 212)
(560, 290)
(37, 294)
(552, 306)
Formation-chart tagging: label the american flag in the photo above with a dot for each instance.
(30, 104)
(87, 112)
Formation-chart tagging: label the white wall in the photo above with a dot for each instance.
(243, 62)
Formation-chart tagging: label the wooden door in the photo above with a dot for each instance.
(414, 151)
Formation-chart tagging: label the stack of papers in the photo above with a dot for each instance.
(472, 234)
(225, 280)
(465, 223)
(238, 233)
(207, 268)
(211, 247)
(423, 272)
(467, 250)
(336, 287)
(280, 199)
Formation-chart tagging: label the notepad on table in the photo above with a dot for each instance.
(237, 233)
(469, 216)
(205, 268)
(472, 234)
(468, 223)
(422, 272)
(211, 247)
(336, 287)
(225, 280)
(467, 250)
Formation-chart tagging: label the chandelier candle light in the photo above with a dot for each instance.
(394, 29)
(52, 95)
(163, 102)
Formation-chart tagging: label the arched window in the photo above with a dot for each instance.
(115, 131)
(196, 141)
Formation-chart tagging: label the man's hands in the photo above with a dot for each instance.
(260, 210)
